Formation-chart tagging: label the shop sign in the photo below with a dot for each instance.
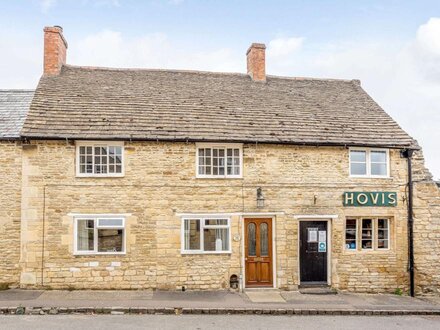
(370, 198)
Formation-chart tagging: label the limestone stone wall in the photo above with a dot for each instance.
(10, 199)
(426, 229)
(159, 185)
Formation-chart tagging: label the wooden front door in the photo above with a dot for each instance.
(313, 252)
(258, 252)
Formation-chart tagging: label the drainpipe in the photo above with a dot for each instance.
(408, 154)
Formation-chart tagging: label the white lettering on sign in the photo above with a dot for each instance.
(322, 236)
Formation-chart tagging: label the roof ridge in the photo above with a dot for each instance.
(99, 68)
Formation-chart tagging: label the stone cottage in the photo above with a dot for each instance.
(167, 179)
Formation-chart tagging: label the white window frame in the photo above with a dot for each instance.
(375, 234)
(368, 164)
(95, 218)
(225, 146)
(202, 227)
(97, 144)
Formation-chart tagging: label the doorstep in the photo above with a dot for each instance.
(268, 295)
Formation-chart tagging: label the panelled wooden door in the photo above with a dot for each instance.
(313, 258)
(258, 252)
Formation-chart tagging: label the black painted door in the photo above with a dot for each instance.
(313, 251)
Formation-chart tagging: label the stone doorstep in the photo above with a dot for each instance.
(19, 310)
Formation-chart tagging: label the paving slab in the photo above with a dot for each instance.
(265, 297)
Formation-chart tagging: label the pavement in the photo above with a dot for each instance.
(207, 322)
(16, 301)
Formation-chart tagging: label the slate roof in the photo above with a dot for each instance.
(14, 105)
(139, 104)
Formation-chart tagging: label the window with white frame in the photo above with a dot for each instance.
(206, 235)
(99, 235)
(219, 161)
(100, 159)
(369, 162)
(367, 233)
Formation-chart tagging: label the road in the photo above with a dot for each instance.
(92, 322)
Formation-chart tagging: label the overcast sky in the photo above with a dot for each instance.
(392, 46)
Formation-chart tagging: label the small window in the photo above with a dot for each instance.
(374, 234)
(204, 235)
(97, 159)
(218, 161)
(383, 232)
(369, 163)
(367, 234)
(99, 235)
(351, 234)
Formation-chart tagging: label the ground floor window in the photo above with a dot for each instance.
(206, 235)
(369, 233)
(99, 235)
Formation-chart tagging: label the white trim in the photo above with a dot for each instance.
(95, 235)
(225, 146)
(202, 227)
(274, 254)
(375, 235)
(315, 216)
(329, 247)
(80, 143)
(368, 163)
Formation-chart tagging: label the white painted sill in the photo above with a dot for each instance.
(371, 177)
(100, 176)
(204, 253)
(78, 254)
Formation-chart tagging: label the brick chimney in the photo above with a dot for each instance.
(256, 62)
(55, 47)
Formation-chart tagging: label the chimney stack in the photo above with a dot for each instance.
(55, 47)
(256, 62)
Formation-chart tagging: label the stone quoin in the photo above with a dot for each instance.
(168, 179)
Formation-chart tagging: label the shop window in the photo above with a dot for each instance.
(369, 163)
(206, 235)
(99, 159)
(219, 161)
(97, 235)
(367, 234)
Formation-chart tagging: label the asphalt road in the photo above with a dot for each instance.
(91, 322)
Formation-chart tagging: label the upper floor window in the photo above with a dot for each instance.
(100, 159)
(369, 163)
(219, 160)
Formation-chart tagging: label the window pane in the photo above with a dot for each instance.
(367, 234)
(252, 240)
(85, 233)
(216, 239)
(382, 233)
(192, 234)
(110, 222)
(358, 156)
(350, 234)
(110, 240)
(358, 169)
(213, 222)
(264, 240)
(378, 169)
(378, 156)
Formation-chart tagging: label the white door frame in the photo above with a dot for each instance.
(274, 263)
(329, 244)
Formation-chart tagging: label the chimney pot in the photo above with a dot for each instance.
(256, 62)
(55, 48)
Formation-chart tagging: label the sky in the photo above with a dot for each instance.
(392, 46)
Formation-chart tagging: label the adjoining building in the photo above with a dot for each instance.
(168, 179)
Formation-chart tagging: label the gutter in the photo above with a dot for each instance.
(408, 153)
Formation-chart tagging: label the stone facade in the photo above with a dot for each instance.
(160, 184)
(10, 205)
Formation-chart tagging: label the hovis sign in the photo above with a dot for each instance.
(370, 198)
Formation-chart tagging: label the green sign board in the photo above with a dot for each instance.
(370, 198)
